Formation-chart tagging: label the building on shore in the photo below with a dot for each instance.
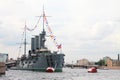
(112, 63)
(84, 62)
(3, 57)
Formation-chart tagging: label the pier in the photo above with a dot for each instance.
(2, 68)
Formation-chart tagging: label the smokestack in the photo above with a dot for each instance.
(118, 57)
(33, 47)
(37, 42)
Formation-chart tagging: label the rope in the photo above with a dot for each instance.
(35, 25)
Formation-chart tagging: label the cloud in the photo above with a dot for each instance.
(82, 27)
(101, 38)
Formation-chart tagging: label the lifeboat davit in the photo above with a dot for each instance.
(92, 70)
(50, 69)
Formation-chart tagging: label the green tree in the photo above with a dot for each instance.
(101, 63)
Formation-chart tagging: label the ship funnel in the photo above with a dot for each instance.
(118, 57)
(37, 42)
(42, 40)
(33, 47)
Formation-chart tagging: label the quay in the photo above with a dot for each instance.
(3, 60)
(2, 68)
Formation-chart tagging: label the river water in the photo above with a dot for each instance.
(67, 74)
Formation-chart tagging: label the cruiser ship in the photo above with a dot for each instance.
(40, 58)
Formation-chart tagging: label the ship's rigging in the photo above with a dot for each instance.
(45, 23)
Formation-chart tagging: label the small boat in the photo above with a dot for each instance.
(92, 70)
(50, 69)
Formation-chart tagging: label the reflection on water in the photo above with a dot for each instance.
(67, 74)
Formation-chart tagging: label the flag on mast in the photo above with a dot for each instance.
(59, 46)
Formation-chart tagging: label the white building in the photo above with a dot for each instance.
(3, 57)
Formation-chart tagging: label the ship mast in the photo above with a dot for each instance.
(25, 40)
(43, 18)
(42, 35)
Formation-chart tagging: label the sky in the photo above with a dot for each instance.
(87, 29)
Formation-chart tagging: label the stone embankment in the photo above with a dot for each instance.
(2, 68)
(110, 67)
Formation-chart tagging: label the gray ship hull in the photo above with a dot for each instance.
(37, 69)
(41, 62)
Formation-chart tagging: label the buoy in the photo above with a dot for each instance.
(92, 70)
(50, 69)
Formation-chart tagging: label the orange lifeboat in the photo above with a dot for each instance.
(92, 70)
(50, 69)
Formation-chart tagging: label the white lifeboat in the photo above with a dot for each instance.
(92, 70)
(50, 69)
